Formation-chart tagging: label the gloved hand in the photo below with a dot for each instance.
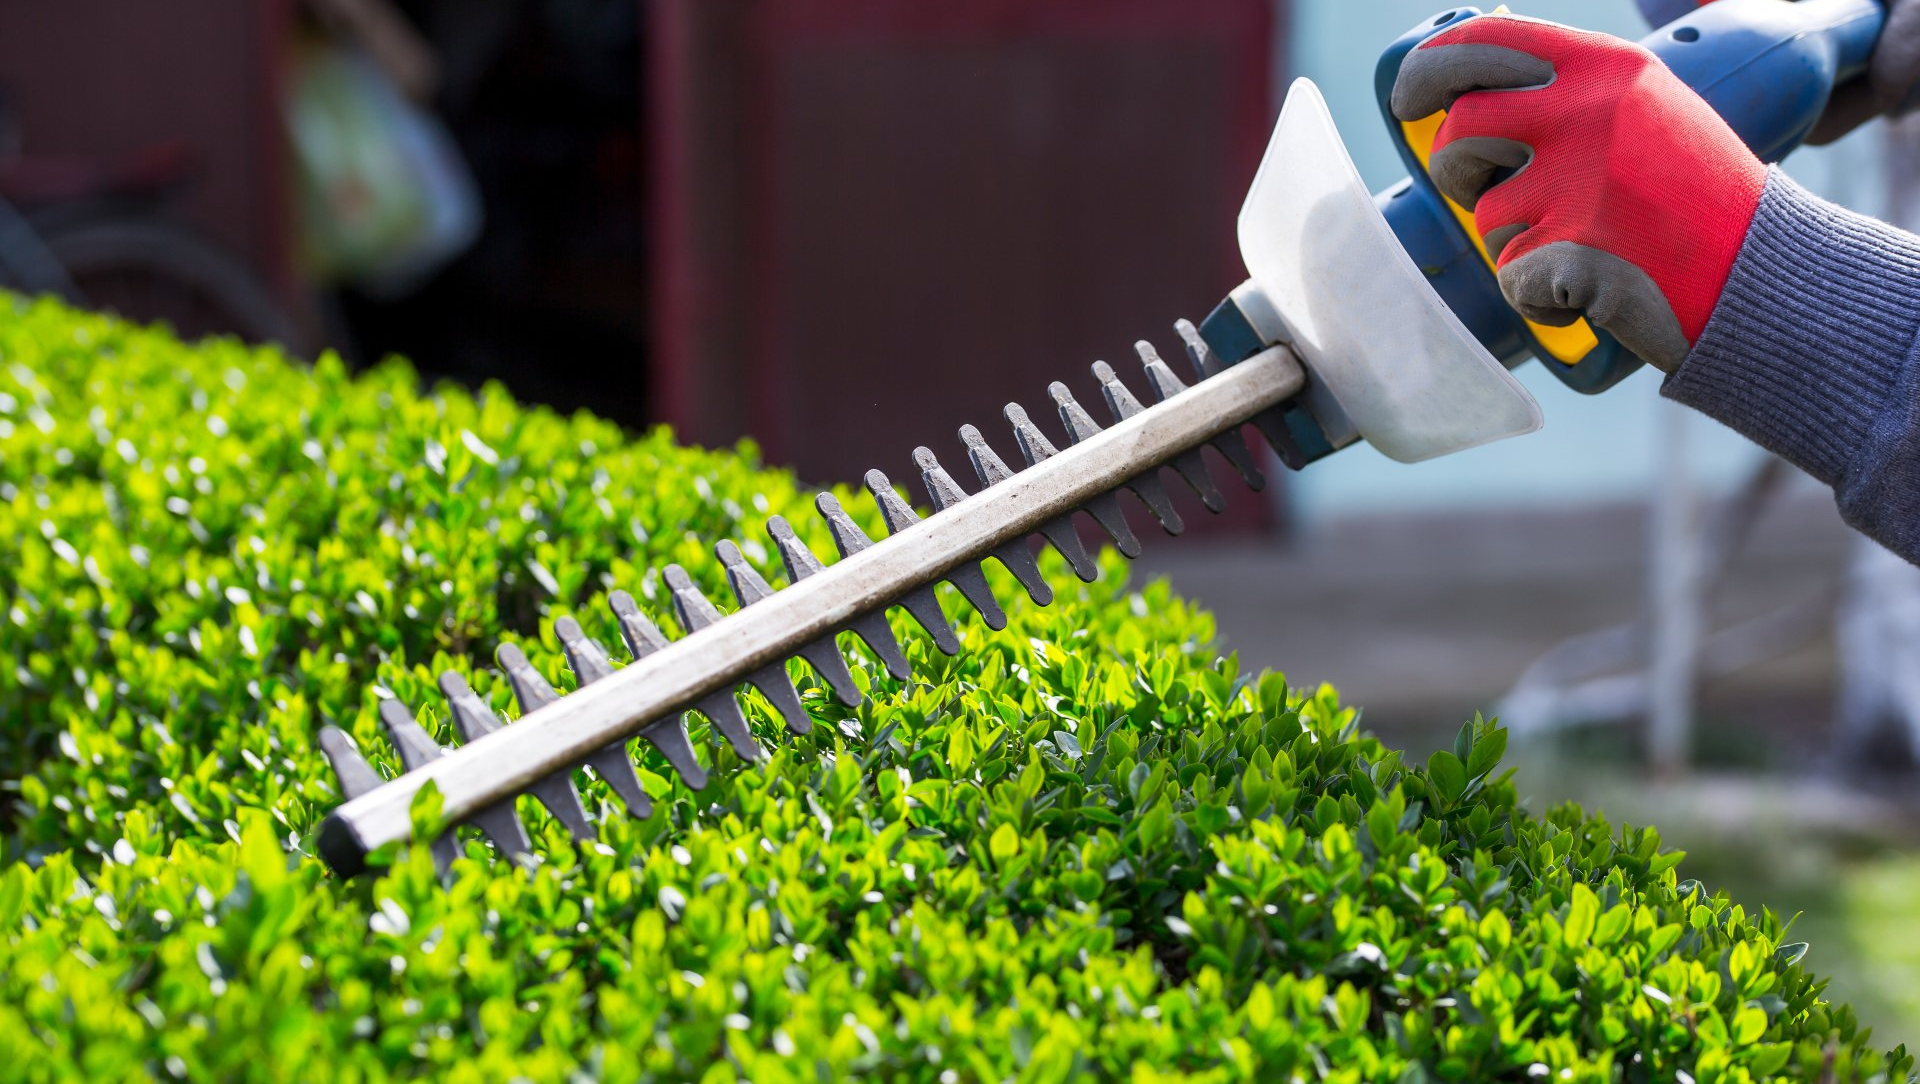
(1631, 196)
(1893, 73)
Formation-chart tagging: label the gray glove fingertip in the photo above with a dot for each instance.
(1464, 169)
(1557, 283)
(1433, 78)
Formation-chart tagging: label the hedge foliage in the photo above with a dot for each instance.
(1086, 846)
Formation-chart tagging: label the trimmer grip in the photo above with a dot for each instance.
(1766, 66)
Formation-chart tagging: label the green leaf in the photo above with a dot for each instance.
(13, 896)
(960, 749)
(1005, 843)
(1582, 910)
(1663, 938)
(260, 854)
(1448, 775)
(1382, 825)
(1487, 751)
(1260, 1007)
(1496, 930)
(1612, 925)
(1155, 826)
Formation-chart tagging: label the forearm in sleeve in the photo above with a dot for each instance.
(1811, 353)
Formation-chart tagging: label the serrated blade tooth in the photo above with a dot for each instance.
(356, 776)
(696, 613)
(500, 823)
(642, 636)
(1272, 424)
(529, 686)
(941, 487)
(1080, 425)
(1188, 465)
(1230, 444)
(823, 655)
(1060, 531)
(1145, 486)
(417, 748)
(1015, 555)
(921, 602)
(476, 720)
(1199, 354)
(772, 681)
(1105, 509)
(945, 493)
(590, 663)
(748, 585)
(690, 605)
(669, 735)
(725, 714)
(872, 628)
(848, 538)
(794, 553)
(585, 657)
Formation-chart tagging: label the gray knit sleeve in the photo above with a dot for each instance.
(1811, 354)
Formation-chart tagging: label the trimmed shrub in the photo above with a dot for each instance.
(1087, 846)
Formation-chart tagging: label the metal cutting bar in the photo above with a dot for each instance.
(500, 765)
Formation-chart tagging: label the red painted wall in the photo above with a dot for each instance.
(876, 221)
(97, 78)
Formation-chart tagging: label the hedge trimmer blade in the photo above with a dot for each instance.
(702, 671)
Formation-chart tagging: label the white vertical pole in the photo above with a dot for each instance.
(1673, 643)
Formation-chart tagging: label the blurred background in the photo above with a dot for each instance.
(843, 227)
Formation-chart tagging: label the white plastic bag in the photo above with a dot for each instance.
(385, 198)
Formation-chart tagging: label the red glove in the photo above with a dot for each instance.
(1632, 196)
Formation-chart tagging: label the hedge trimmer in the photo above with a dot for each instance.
(1363, 318)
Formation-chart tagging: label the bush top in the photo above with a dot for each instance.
(1086, 846)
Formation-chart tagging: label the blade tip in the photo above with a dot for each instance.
(341, 847)
(452, 684)
(335, 743)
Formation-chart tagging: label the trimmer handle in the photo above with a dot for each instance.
(1766, 66)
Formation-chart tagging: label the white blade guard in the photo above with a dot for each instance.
(1407, 373)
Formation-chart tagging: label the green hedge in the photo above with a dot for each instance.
(1087, 845)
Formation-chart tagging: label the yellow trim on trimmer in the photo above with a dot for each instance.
(1567, 344)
